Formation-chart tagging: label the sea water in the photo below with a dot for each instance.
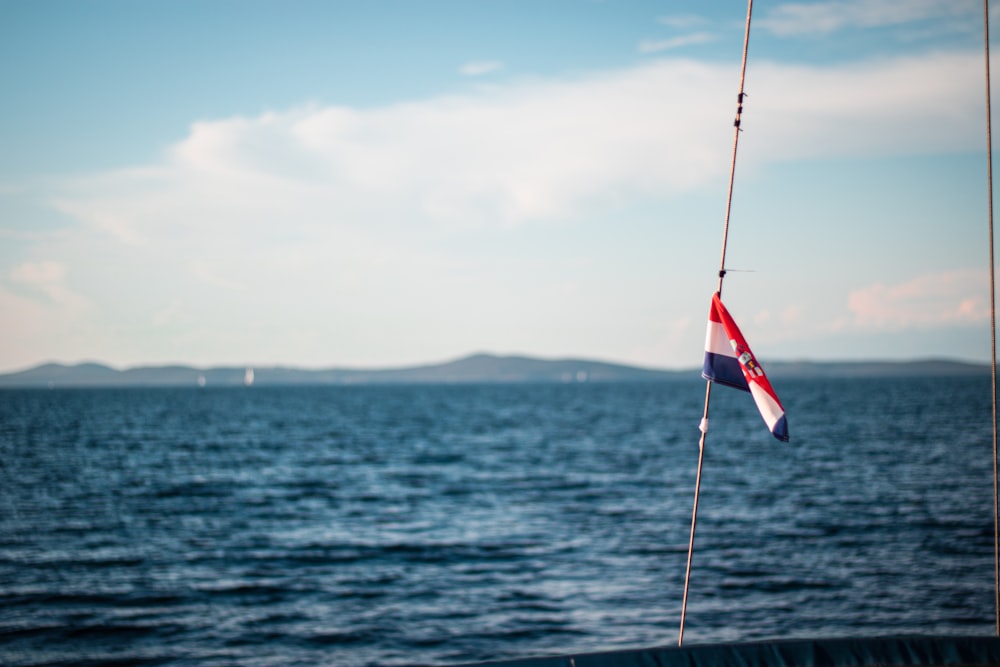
(407, 525)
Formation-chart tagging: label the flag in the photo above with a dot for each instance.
(729, 361)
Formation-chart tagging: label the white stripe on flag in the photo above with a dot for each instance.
(716, 340)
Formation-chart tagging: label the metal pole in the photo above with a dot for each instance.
(722, 274)
(694, 513)
(993, 323)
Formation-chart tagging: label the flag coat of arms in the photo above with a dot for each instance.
(729, 361)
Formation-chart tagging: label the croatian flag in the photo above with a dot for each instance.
(729, 361)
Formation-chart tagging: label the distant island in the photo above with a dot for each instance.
(476, 368)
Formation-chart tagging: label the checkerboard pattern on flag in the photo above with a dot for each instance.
(729, 361)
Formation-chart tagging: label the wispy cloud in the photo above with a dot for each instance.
(825, 17)
(656, 45)
(682, 21)
(875, 108)
(931, 300)
(48, 279)
(481, 67)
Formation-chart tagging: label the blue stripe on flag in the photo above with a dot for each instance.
(780, 429)
(725, 370)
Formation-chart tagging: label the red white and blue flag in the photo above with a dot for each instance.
(729, 361)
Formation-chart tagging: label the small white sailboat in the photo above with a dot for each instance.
(248, 377)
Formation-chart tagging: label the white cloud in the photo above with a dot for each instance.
(932, 300)
(481, 67)
(499, 157)
(656, 45)
(802, 18)
(530, 151)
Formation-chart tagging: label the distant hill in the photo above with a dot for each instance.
(478, 368)
(918, 368)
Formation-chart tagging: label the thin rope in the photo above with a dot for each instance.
(993, 322)
(722, 275)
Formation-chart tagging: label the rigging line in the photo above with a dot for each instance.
(703, 427)
(993, 320)
(736, 142)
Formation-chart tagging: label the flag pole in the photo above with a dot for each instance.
(703, 426)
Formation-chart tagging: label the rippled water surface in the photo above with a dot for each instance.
(442, 524)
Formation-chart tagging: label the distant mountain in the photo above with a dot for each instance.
(478, 368)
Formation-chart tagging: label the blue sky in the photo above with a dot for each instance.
(381, 183)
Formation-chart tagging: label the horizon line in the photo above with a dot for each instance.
(523, 356)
